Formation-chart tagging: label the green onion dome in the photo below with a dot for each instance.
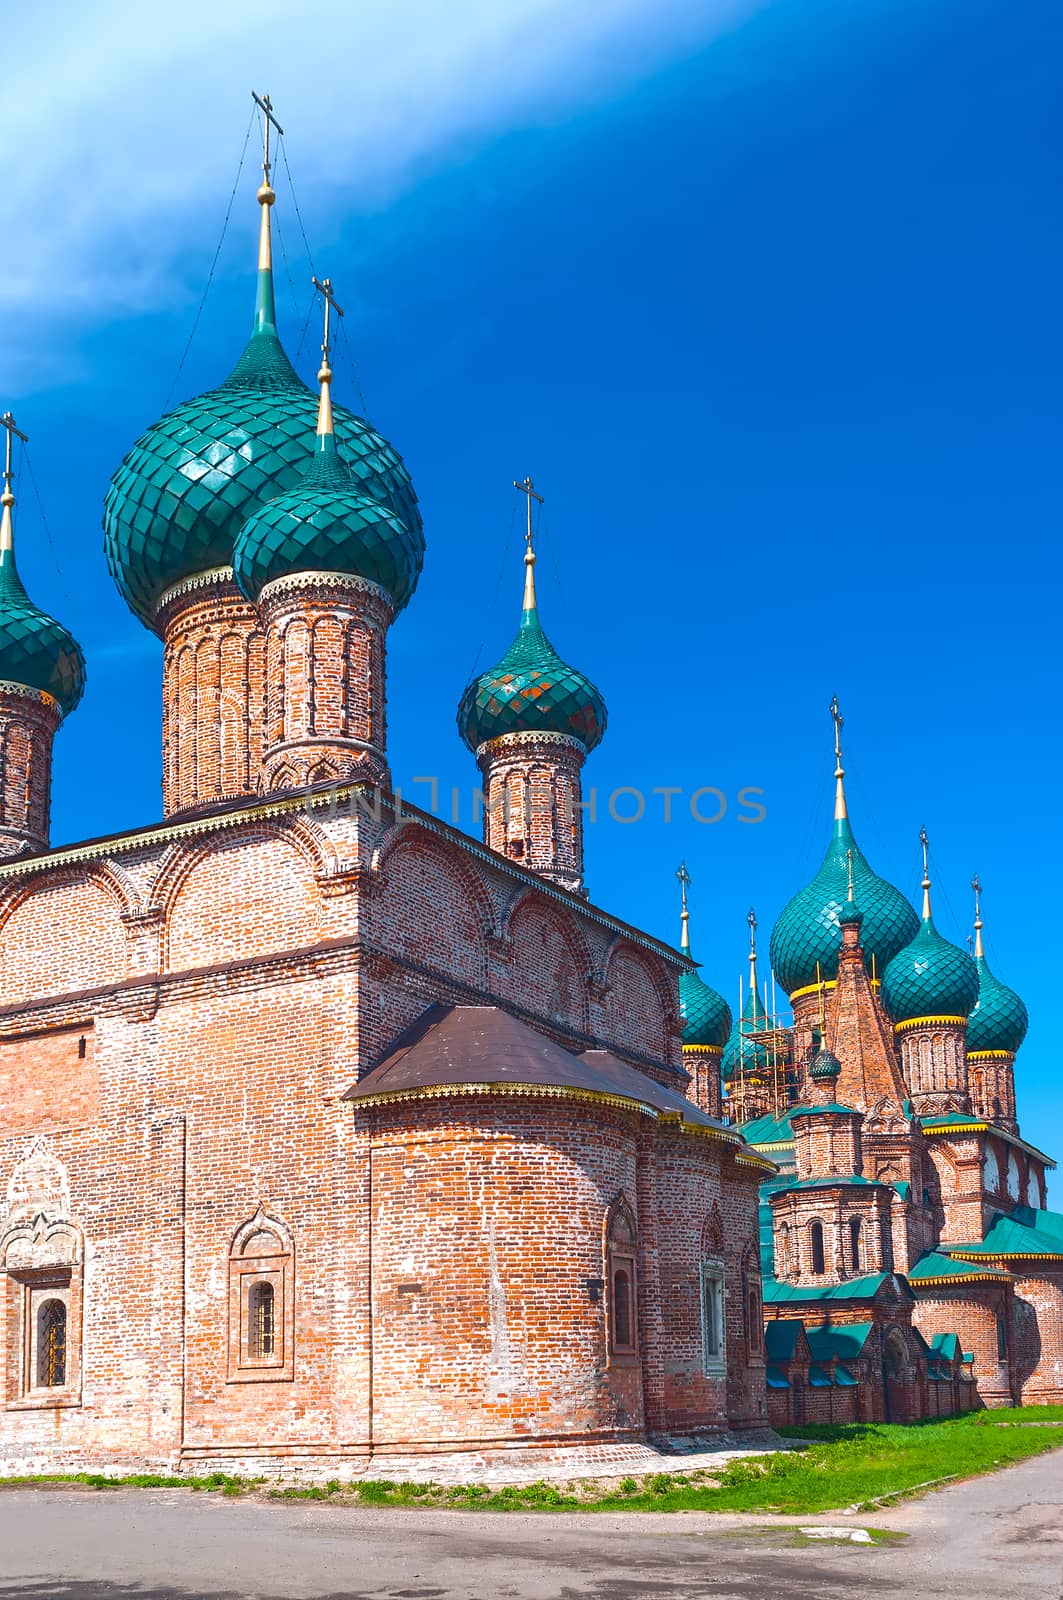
(327, 523)
(999, 1020)
(531, 690)
(806, 939)
(930, 977)
(706, 1014)
(741, 1052)
(179, 499)
(36, 652)
(825, 1065)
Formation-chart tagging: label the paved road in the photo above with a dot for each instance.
(994, 1538)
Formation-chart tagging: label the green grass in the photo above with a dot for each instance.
(858, 1464)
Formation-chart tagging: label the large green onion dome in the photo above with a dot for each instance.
(531, 690)
(806, 939)
(36, 652)
(327, 523)
(930, 977)
(999, 1020)
(706, 1014)
(179, 499)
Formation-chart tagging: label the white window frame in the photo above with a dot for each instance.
(713, 1316)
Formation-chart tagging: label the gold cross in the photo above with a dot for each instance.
(265, 105)
(324, 289)
(925, 842)
(752, 920)
(7, 421)
(528, 488)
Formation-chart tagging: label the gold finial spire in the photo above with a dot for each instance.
(976, 885)
(266, 195)
(925, 842)
(840, 808)
(684, 884)
(324, 377)
(751, 918)
(528, 488)
(7, 499)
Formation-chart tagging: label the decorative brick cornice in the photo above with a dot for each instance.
(325, 586)
(929, 1022)
(509, 742)
(23, 691)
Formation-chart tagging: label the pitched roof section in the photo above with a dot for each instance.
(467, 1047)
(845, 1341)
(860, 1035)
(776, 1293)
(1026, 1233)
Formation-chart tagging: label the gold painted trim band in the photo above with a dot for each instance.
(929, 1022)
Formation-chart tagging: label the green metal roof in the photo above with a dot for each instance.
(1025, 1233)
(177, 503)
(929, 978)
(328, 524)
(935, 1265)
(768, 1130)
(806, 939)
(946, 1345)
(35, 650)
(776, 1379)
(781, 1338)
(957, 1119)
(531, 690)
(831, 1106)
(999, 1020)
(776, 1293)
(844, 1341)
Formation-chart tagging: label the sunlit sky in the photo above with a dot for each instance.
(764, 296)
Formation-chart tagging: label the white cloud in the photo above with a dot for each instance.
(123, 121)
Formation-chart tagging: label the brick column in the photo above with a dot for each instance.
(991, 1082)
(533, 803)
(325, 680)
(28, 720)
(212, 692)
(702, 1061)
(934, 1064)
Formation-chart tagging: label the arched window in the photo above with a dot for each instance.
(782, 1251)
(262, 1326)
(753, 1321)
(621, 1278)
(261, 1302)
(1002, 1339)
(816, 1240)
(854, 1242)
(51, 1344)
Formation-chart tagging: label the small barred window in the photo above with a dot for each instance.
(51, 1344)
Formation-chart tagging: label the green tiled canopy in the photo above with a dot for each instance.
(35, 650)
(929, 978)
(327, 524)
(706, 1014)
(999, 1021)
(179, 499)
(808, 932)
(531, 691)
(741, 1051)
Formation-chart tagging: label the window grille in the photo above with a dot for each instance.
(51, 1344)
(262, 1330)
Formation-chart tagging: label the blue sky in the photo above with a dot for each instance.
(765, 297)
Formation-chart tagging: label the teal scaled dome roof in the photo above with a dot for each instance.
(999, 1020)
(328, 524)
(531, 690)
(808, 931)
(825, 1064)
(930, 977)
(741, 1051)
(706, 1014)
(36, 652)
(179, 499)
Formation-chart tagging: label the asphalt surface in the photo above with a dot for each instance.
(999, 1537)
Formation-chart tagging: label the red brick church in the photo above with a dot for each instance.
(331, 1135)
